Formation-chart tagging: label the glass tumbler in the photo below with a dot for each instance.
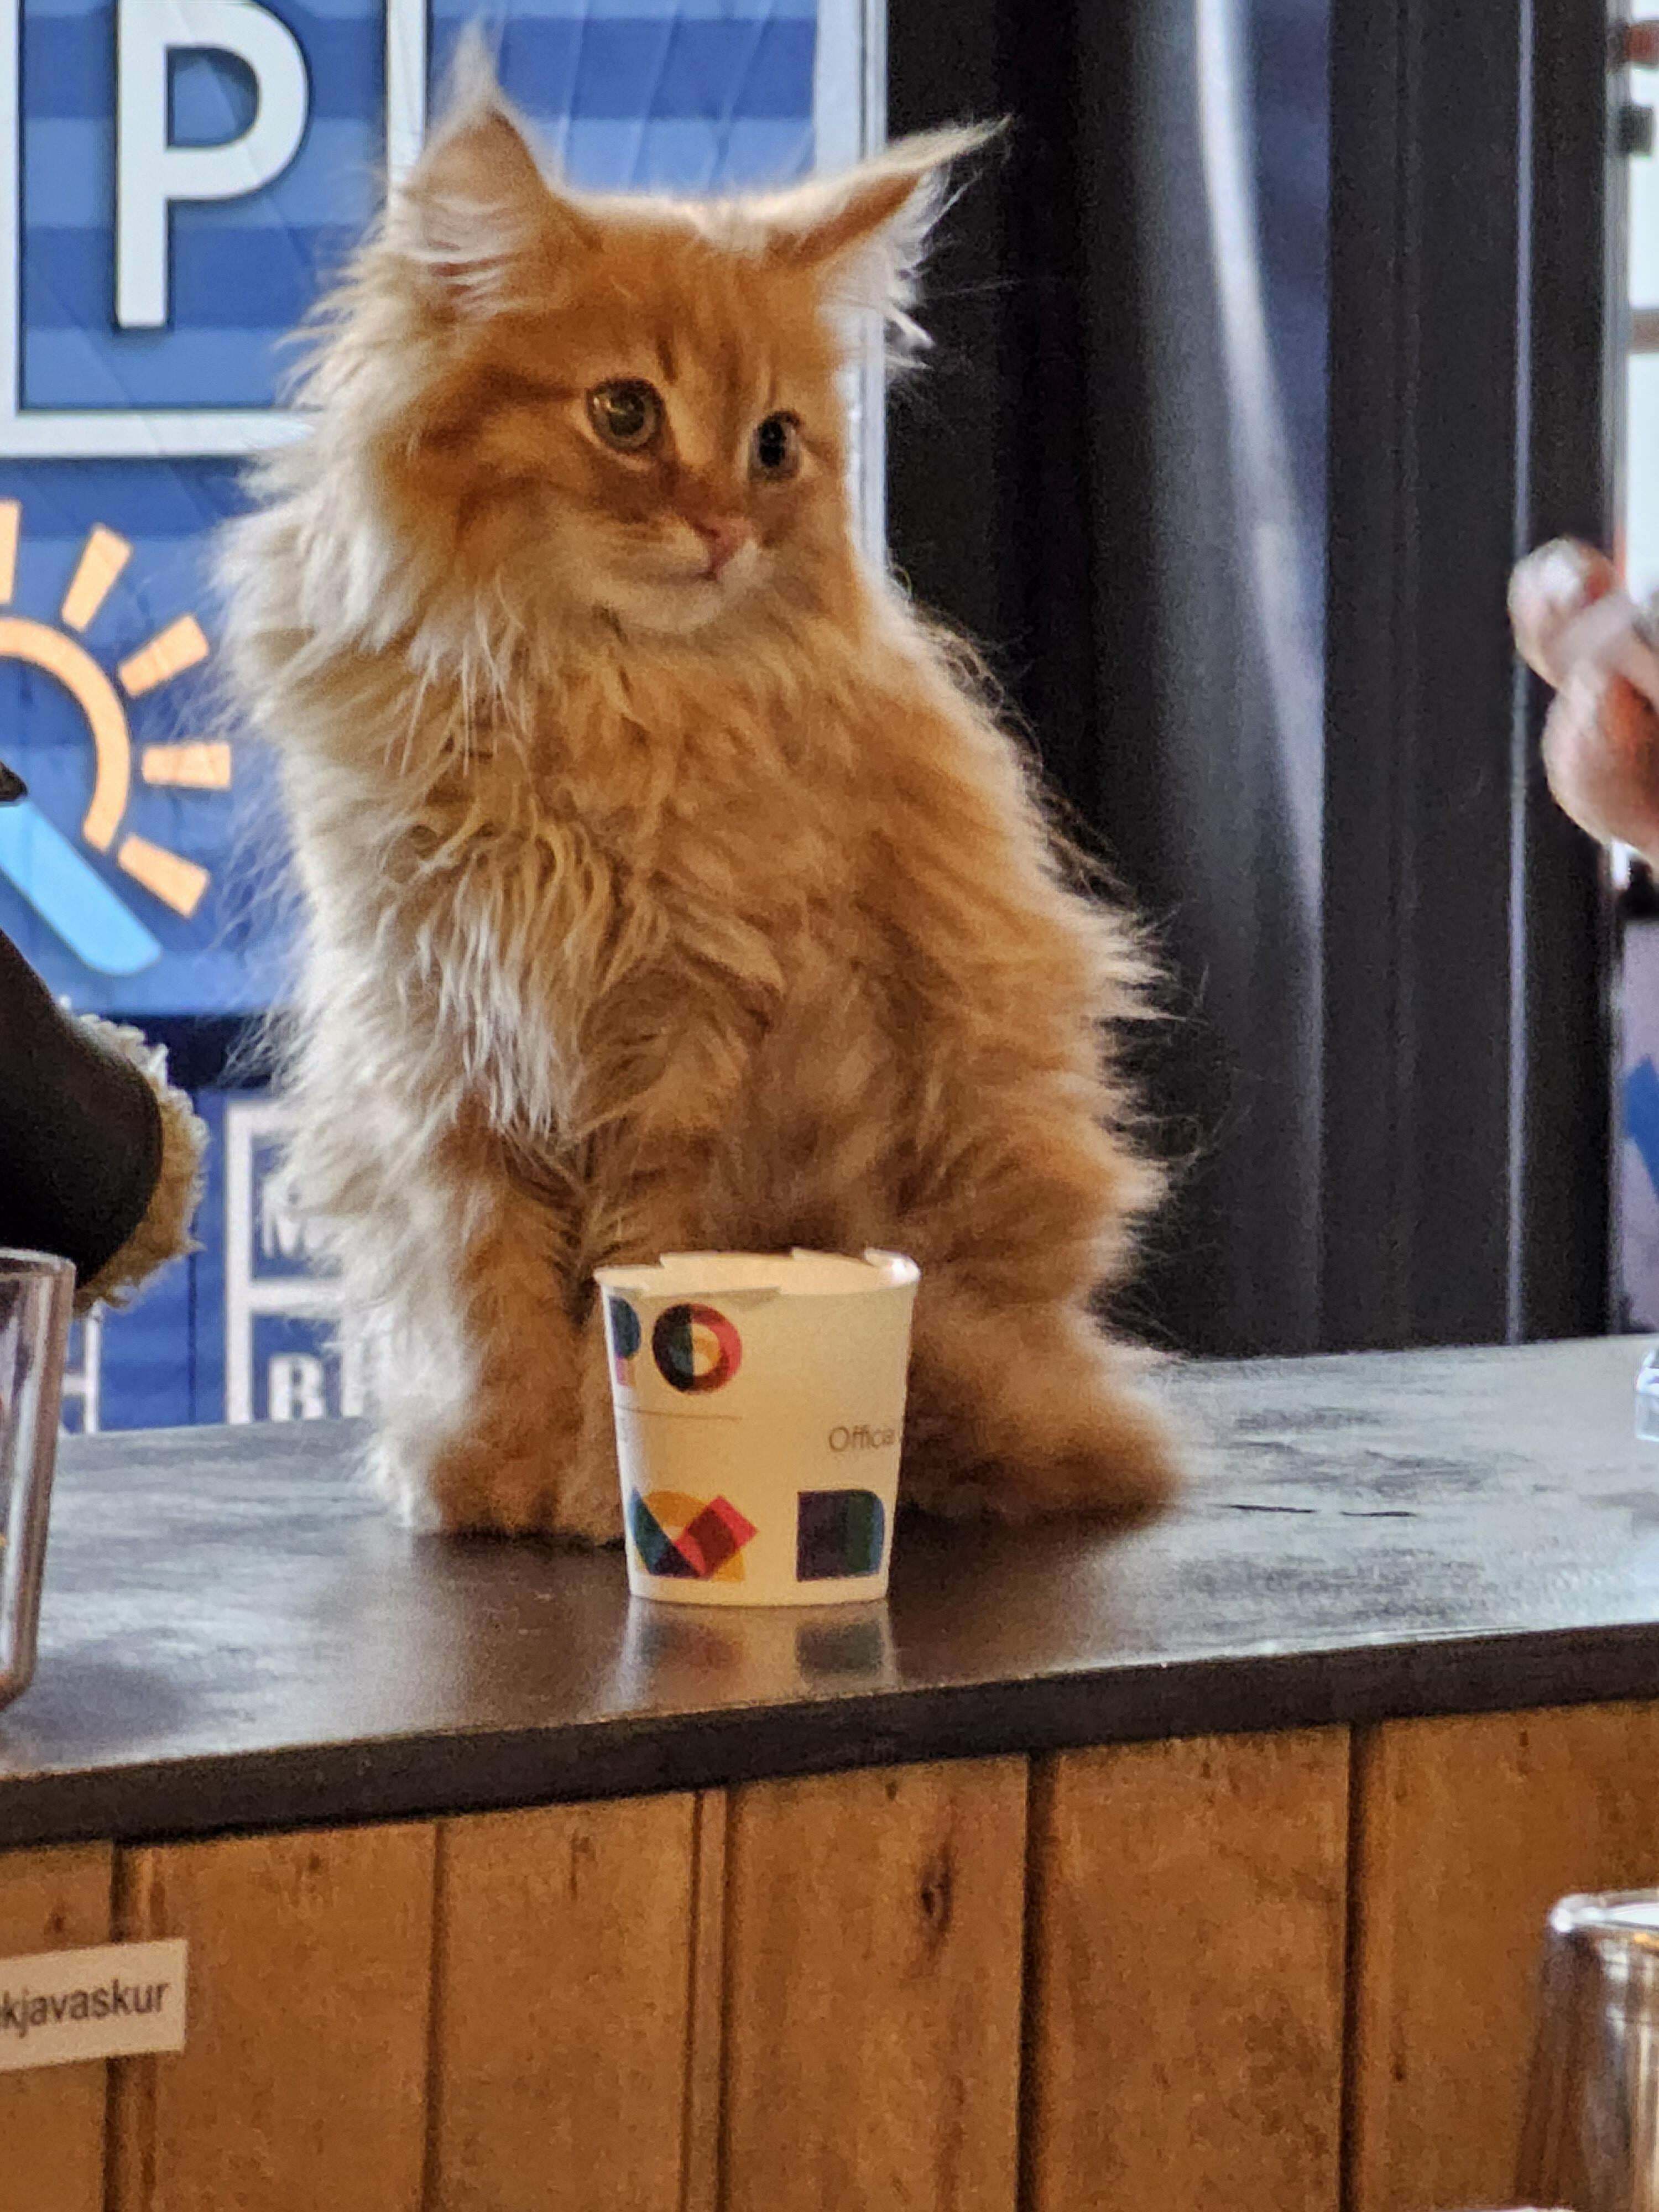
(1647, 1399)
(1591, 2132)
(35, 1295)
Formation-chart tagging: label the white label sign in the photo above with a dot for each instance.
(110, 2002)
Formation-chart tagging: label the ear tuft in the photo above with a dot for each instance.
(867, 230)
(473, 81)
(477, 206)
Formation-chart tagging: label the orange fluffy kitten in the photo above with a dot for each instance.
(668, 884)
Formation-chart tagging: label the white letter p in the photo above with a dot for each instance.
(151, 173)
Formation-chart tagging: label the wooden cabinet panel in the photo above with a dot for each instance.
(51, 2122)
(873, 1938)
(807, 1995)
(1187, 1976)
(1469, 1830)
(566, 1940)
(304, 2082)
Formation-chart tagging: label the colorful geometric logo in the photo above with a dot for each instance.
(622, 1325)
(681, 1537)
(696, 1348)
(838, 1533)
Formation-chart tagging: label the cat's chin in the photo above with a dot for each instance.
(678, 609)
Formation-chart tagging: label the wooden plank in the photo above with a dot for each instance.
(705, 2071)
(875, 1930)
(304, 2082)
(563, 1980)
(1186, 2004)
(1469, 1830)
(51, 2122)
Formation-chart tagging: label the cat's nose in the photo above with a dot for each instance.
(723, 536)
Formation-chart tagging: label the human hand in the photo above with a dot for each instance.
(1578, 629)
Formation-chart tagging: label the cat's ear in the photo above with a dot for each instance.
(475, 214)
(867, 230)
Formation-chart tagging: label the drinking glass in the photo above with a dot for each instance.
(35, 1295)
(1591, 2132)
(1647, 1399)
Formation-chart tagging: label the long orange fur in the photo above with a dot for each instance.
(652, 910)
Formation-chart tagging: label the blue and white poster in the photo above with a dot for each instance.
(182, 177)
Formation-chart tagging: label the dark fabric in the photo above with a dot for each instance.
(1069, 482)
(80, 1129)
(1252, 379)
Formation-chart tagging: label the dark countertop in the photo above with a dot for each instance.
(235, 1637)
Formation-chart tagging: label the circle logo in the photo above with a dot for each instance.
(696, 1348)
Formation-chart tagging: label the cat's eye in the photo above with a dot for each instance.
(777, 446)
(627, 414)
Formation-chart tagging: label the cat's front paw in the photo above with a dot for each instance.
(468, 1489)
(1118, 1456)
(1076, 1436)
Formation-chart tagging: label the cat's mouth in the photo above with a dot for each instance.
(670, 589)
(709, 575)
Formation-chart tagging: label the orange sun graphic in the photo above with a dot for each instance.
(101, 698)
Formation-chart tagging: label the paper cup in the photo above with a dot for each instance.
(759, 1406)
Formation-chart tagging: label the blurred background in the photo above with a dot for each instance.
(1267, 337)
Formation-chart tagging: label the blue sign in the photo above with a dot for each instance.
(183, 176)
